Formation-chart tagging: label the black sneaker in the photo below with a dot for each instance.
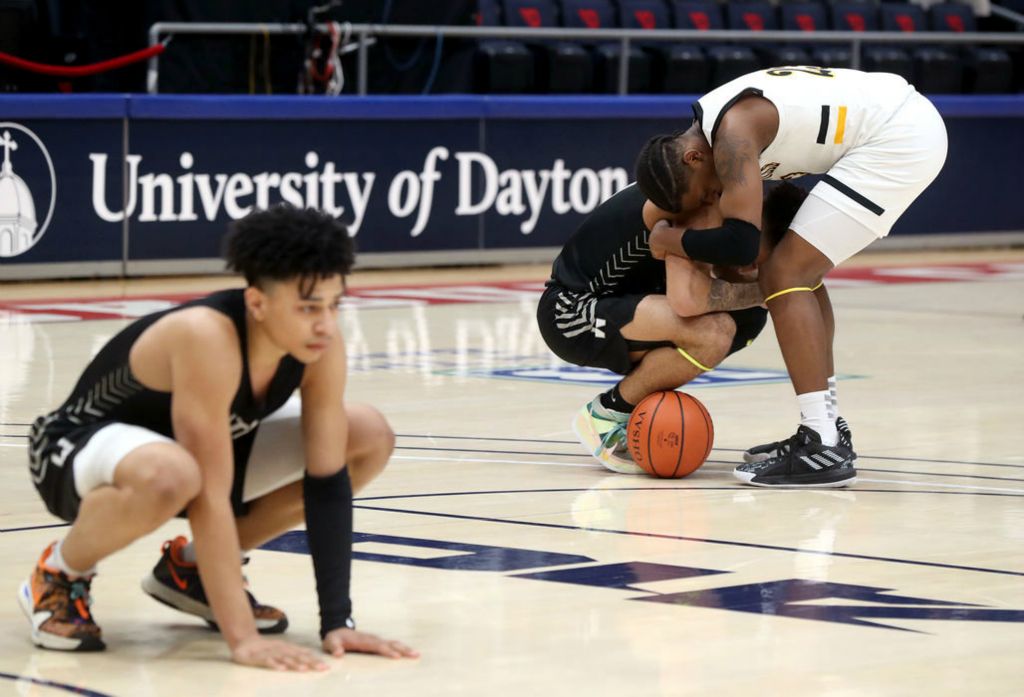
(803, 462)
(760, 453)
(175, 583)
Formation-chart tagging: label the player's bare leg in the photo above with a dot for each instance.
(705, 339)
(370, 444)
(816, 456)
(175, 578)
(151, 484)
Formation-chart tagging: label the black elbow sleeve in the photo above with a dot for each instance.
(736, 243)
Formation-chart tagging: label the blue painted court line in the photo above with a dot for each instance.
(705, 540)
(56, 685)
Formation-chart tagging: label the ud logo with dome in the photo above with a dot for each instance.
(23, 171)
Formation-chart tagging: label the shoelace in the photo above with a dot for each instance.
(613, 438)
(80, 589)
(81, 599)
(783, 448)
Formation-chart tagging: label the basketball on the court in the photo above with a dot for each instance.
(670, 434)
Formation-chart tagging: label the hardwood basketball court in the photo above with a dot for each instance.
(518, 566)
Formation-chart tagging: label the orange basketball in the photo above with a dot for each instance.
(670, 434)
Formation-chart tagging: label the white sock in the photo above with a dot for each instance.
(57, 562)
(833, 400)
(814, 415)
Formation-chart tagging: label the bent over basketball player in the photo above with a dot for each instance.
(879, 143)
(660, 322)
(192, 408)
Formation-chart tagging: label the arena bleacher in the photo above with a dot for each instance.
(74, 34)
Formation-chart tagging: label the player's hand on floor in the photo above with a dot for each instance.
(276, 655)
(339, 641)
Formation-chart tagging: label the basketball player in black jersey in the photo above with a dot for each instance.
(192, 409)
(660, 322)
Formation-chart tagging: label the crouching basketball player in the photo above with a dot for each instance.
(878, 143)
(660, 322)
(192, 408)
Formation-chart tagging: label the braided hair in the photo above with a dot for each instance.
(660, 173)
(284, 242)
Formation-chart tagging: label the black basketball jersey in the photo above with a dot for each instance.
(108, 392)
(609, 253)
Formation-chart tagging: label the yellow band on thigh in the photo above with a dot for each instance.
(693, 360)
(798, 289)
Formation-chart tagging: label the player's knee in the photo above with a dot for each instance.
(380, 438)
(170, 482)
(720, 336)
(371, 439)
(713, 337)
(780, 272)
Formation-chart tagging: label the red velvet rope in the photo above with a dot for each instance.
(82, 70)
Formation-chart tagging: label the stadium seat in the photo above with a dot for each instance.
(500, 65)
(727, 62)
(560, 66)
(936, 69)
(677, 67)
(761, 16)
(863, 16)
(987, 69)
(809, 16)
(600, 14)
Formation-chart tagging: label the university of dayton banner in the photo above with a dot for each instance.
(120, 179)
(46, 213)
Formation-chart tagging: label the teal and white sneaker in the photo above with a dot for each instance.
(602, 432)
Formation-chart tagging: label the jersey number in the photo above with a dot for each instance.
(809, 69)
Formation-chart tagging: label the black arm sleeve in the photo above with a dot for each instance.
(328, 503)
(736, 243)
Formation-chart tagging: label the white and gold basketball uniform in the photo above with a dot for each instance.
(877, 141)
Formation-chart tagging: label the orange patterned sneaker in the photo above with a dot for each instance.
(57, 607)
(175, 583)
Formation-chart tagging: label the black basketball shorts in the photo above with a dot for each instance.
(583, 329)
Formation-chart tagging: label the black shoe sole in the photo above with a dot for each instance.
(836, 480)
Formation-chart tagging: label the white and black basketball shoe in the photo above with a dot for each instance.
(803, 462)
(760, 453)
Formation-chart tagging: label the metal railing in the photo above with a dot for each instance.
(364, 34)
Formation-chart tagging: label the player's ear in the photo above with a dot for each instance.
(692, 156)
(256, 303)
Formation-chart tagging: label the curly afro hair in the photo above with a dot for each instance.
(283, 243)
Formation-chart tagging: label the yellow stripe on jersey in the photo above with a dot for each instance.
(841, 125)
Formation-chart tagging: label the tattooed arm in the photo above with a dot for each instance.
(737, 166)
(724, 296)
(746, 129)
(692, 291)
